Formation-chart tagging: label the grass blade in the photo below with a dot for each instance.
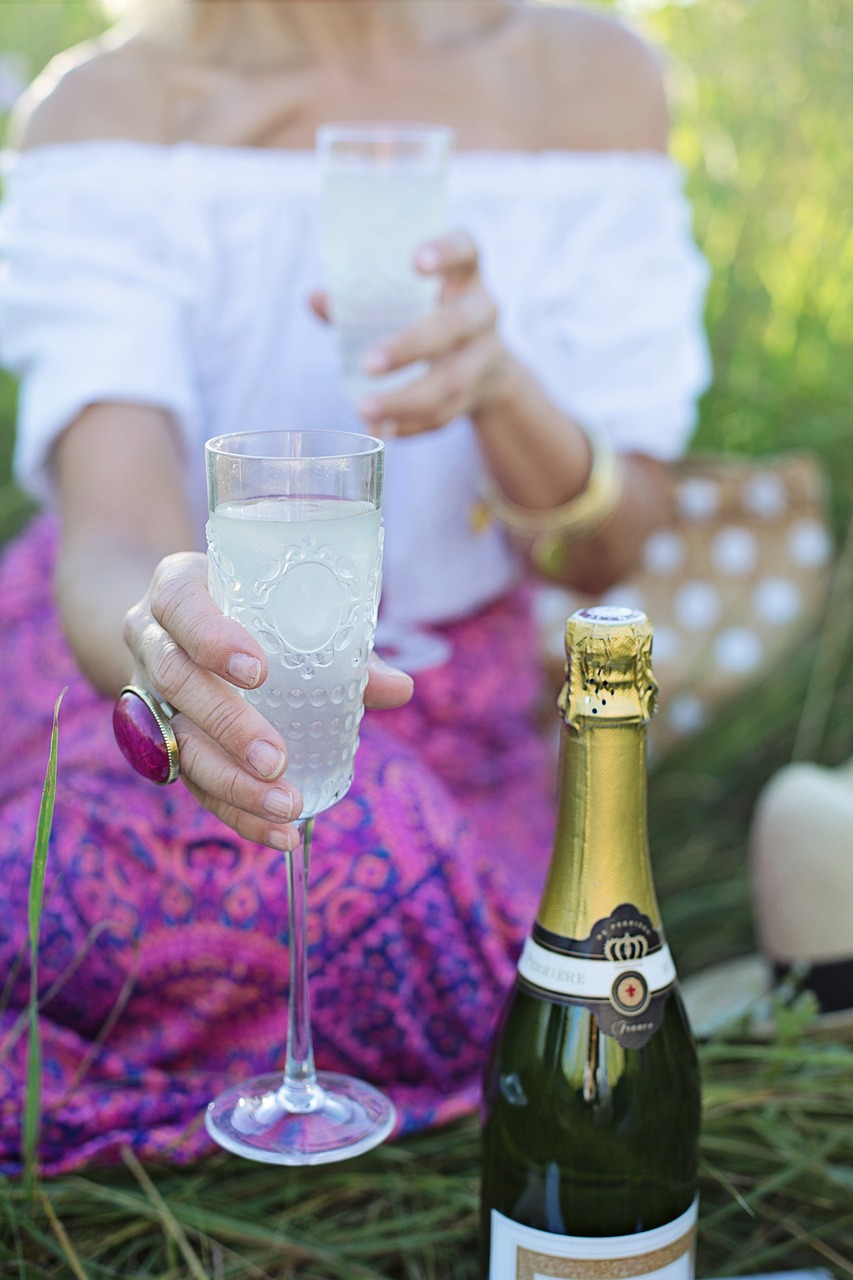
(169, 1222)
(32, 1104)
(62, 1236)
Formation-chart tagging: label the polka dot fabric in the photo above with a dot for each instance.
(735, 576)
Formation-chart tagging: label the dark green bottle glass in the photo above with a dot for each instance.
(591, 1101)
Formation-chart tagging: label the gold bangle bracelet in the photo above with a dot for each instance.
(549, 533)
(578, 517)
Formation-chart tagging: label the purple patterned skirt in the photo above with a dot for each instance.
(163, 965)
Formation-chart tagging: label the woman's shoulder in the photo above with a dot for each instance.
(601, 84)
(102, 89)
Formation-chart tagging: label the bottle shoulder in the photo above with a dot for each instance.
(547, 1048)
(581, 1136)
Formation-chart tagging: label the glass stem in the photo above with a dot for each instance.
(300, 1090)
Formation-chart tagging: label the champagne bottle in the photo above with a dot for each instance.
(591, 1101)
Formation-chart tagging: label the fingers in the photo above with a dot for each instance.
(258, 812)
(232, 760)
(465, 315)
(179, 601)
(188, 653)
(213, 705)
(453, 255)
(454, 385)
(321, 305)
(469, 314)
(387, 687)
(458, 340)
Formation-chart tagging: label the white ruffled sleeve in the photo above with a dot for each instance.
(611, 316)
(93, 295)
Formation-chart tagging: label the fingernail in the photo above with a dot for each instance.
(375, 360)
(381, 665)
(427, 258)
(266, 760)
(285, 841)
(279, 804)
(369, 407)
(244, 669)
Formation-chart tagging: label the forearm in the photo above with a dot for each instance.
(122, 509)
(539, 458)
(96, 584)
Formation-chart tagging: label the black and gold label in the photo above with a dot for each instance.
(622, 972)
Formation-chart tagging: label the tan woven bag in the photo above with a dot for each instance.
(736, 575)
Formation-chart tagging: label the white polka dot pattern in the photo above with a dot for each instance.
(698, 499)
(665, 645)
(738, 649)
(734, 550)
(664, 552)
(777, 601)
(731, 582)
(809, 543)
(764, 495)
(697, 606)
(687, 714)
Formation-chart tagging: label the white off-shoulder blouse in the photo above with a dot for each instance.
(178, 276)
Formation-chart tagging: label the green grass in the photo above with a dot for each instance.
(763, 98)
(776, 1188)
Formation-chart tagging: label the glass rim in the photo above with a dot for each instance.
(382, 130)
(221, 447)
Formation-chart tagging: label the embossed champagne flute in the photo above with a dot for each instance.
(294, 541)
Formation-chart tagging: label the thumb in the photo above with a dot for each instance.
(386, 686)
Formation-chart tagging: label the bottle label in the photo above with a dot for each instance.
(623, 971)
(523, 1253)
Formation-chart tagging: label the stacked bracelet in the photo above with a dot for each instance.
(550, 532)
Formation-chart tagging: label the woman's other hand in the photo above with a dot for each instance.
(189, 654)
(458, 338)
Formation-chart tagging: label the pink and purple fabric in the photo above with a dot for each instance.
(162, 958)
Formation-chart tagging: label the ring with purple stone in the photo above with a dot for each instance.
(142, 728)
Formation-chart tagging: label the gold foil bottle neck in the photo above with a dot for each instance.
(609, 667)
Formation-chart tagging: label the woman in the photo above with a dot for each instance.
(158, 233)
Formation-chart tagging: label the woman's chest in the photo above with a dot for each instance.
(491, 99)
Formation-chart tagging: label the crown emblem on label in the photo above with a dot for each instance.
(631, 946)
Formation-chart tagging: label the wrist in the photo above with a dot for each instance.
(517, 408)
(507, 389)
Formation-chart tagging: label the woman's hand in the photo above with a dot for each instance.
(189, 654)
(459, 339)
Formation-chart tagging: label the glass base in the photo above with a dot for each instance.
(335, 1119)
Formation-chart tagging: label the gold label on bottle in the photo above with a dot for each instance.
(623, 972)
(523, 1253)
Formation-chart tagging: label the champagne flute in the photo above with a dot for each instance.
(383, 190)
(294, 541)
(383, 193)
